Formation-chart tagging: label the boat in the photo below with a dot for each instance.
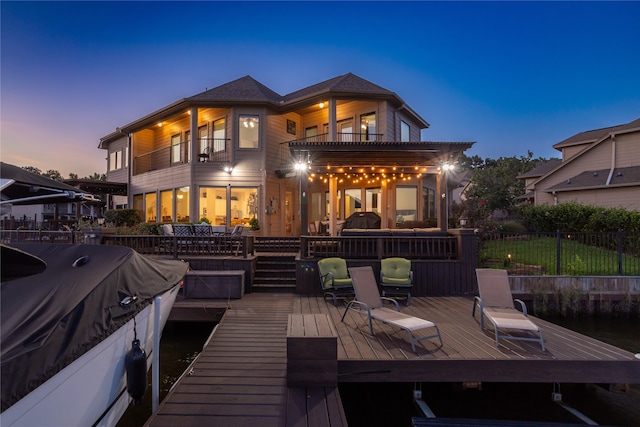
(67, 331)
(77, 322)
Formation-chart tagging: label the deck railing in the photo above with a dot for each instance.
(213, 150)
(562, 253)
(179, 246)
(41, 236)
(378, 247)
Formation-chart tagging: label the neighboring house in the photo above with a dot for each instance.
(599, 167)
(241, 150)
(530, 178)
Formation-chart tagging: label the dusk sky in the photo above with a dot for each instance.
(513, 77)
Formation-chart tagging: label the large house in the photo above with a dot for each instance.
(322, 153)
(599, 167)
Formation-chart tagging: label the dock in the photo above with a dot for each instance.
(240, 378)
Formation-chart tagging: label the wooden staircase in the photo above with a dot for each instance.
(275, 273)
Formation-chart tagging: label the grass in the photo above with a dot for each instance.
(576, 258)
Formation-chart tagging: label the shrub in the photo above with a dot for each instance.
(254, 224)
(576, 217)
(121, 217)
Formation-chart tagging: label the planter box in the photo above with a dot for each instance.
(214, 284)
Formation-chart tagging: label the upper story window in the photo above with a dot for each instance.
(345, 130)
(249, 131)
(203, 139)
(175, 149)
(115, 160)
(219, 135)
(368, 127)
(404, 132)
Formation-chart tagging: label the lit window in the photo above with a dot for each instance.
(175, 149)
(249, 132)
(368, 127)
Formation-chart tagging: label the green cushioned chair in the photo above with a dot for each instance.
(335, 279)
(396, 277)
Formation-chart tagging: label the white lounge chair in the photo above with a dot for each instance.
(496, 303)
(369, 302)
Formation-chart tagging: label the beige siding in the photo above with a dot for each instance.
(627, 153)
(621, 197)
(628, 150)
(174, 177)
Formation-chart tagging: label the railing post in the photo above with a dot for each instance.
(620, 251)
(558, 250)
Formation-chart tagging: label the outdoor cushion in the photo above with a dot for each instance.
(396, 271)
(334, 272)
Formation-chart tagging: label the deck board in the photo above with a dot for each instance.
(240, 377)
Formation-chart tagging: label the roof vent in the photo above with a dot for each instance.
(568, 181)
(595, 174)
(619, 173)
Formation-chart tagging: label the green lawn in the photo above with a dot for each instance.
(576, 258)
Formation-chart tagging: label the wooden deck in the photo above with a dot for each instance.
(240, 377)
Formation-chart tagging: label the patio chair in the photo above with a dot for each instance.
(496, 303)
(368, 302)
(335, 279)
(396, 277)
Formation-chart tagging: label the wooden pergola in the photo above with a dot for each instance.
(388, 160)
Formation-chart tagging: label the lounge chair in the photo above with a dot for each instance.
(335, 279)
(396, 277)
(369, 302)
(496, 303)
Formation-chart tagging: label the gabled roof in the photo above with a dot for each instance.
(590, 136)
(541, 168)
(244, 89)
(621, 177)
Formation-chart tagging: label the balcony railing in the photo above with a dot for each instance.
(346, 138)
(214, 150)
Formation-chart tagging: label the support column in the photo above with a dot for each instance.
(304, 203)
(193, 191)
(333, 203)
(384, 203)
(332, 119)
(443, 201)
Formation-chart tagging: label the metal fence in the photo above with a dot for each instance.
(562, 253)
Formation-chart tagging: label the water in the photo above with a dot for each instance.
(180, 344)
(391, 404)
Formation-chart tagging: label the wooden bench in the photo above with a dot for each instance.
(215, 284)
(312, 351)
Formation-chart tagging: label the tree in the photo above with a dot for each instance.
(494, 184)
(53, 174)
(96, 177)
(32, 169)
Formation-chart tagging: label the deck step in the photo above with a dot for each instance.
(275, 273)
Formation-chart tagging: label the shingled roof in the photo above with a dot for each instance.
(590, 136)
(347, 83)
(244, 89)
(541, 168)
(594, 179)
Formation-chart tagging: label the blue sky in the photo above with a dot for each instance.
(511, 76)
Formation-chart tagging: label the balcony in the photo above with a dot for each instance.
(351, 139)
(213, 150)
